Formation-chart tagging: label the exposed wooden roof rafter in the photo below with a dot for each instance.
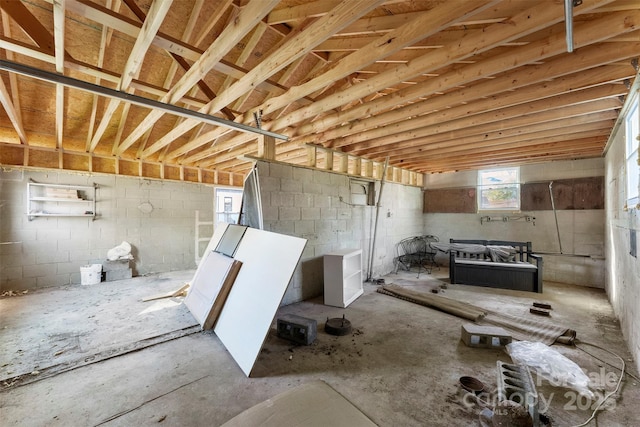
(431, 85)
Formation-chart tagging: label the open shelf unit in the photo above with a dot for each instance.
(64, 200)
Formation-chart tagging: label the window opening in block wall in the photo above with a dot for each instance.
(632, 132)
(362, 192)
(227, 204)
(499, 189)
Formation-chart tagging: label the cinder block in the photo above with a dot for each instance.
(288, 213)
(297, 329)
(484, 336)
(310, 213)
(302, 200)
(515, 383)
(110, 276)
(290, 185)
(304, 227)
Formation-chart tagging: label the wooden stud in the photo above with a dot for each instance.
(328, 160)
(266, 147)
(311, 156)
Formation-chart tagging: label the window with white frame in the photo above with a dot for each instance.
(499, 189)
(632, 132)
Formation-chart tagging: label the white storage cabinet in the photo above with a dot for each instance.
(342, 277)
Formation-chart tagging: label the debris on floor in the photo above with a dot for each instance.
(544, 305)
(540, 311)
(14, 293)
(181, 292)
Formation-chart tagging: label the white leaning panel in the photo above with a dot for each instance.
(268, 263)
(206, 285)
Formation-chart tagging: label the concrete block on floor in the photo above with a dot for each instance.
(112, 275)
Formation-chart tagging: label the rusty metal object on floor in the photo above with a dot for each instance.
(472, 384)
(337, 326)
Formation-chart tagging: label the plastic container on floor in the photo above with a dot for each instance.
(90, 274)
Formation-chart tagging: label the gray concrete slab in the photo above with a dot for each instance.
(400, 365)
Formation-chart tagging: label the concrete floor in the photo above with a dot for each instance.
(98, 355)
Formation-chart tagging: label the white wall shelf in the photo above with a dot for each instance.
(63, 200)
(342, 277)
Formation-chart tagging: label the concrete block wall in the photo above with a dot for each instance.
(582, 232)
(314, 205)
(622, 269)
(49, 251)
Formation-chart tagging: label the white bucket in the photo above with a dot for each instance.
(90, 274)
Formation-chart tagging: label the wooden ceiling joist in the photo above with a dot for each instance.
(422, 26)
(431, 86)
(131, 4)
(7, 103)
(300, 44)
(243, 24)
(522, 24)
(148, 32)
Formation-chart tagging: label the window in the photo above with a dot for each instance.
(632, 132)
(227, 205)
(499, 189)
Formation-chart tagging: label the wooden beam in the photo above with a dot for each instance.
(477, 135)
(30, 24)
(94, 105)
(295, 47)
(522, 24)
(14, 98)
(535, 142)
(133, 99)
(48, 158)
(130, 27)
(150, 27)
(58, 36)
(312, 157)
(591, 147)
(244, 57)
(131, 4)
(304, 11)
(231, 35)
(365, 148)
(589, 57)
(157, 13)
(495, 132)
(422, 26)
(7, 103)
(483, 112)
(551, 130)
(488, 96)
(266, 147)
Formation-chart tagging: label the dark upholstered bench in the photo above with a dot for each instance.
(523, 272)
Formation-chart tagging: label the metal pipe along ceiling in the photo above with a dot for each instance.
(133, 99)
